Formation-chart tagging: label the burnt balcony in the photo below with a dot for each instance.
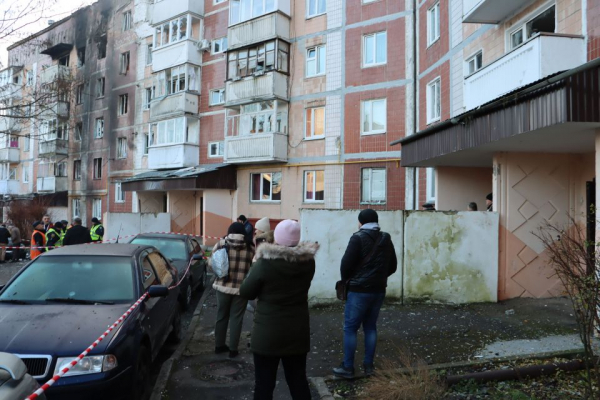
(53, 147)
(267, 27)
(258, 87)
(52, 184)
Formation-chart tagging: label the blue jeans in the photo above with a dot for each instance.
(361, 308)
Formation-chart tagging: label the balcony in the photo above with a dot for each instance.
(10, 155)
(54, 73)
(10, 124)
(491, 11)
(9, 187)
(56, 109)
(267, 27)
(52, 184)
(173, 105)
(541, 56)
(54, 147)
(271, 85)
(165, 10)
(180, 155)
(182, 52)
(10, 91)
(266, 147)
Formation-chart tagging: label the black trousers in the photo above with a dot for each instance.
(265, 372)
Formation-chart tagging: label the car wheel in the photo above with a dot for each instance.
(176, 334)
(141, 381)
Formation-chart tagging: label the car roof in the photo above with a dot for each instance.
(104, 249)
(162, 235)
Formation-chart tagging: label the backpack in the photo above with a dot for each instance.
(220, 262)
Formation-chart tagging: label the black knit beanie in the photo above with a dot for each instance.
(367, 216)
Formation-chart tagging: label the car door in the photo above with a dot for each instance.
(197, 265)
(165, 307)
(151, 322)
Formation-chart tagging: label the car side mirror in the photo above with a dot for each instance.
(158, 291)
(197, 257)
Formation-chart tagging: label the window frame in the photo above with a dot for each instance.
(220, 41)
(97, 168)
(261, 189)
(362, 117)
(436, 82)
(473, 58)
(220, 146)
(100, 87)
(127, 19)
(76, 207)
(221, 92)
(149, 59)
(119, 190)
(431, 191)
(317, 13)
(436, 35)
(25, 172)
(522, 26)
(124, 62)
(281, 59)
(95, 213)
(375, 63)
(317, 60)
(121, 147)
(362, 183)
(97, 133)
(312, 135)
(314, 188)
(123, 105)
(76, 170)
(79, 94)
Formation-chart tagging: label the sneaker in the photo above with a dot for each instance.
(369, 369)
(221, 349)
(343, 372)
(233, 353)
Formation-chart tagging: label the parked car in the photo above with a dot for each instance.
(15, 382)
(180, 249)
(61, 302)
(20, 253)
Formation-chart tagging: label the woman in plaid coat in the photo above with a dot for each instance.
(230, 306)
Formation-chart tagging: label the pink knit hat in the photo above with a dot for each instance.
(287, 233)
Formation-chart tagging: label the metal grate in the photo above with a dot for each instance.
(37, 366)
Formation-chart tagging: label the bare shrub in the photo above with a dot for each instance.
(23, 213)
(403, 377)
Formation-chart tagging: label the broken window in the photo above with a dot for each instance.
(81, 56)
(77, 170)
(124, 63)
(99, 128)
(102, 47)
(79, 96)
(100, 87)
(64, 60)
(126, 21)
(258, 59)
(97, 168)
(123, 104)
(542, 22)
(122, 147)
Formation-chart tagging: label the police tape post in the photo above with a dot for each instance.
(77, 359)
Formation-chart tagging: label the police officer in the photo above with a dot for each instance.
(97, 230)
(54, 236)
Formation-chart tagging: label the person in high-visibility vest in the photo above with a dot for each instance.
(66, 226)
(38, 240)
(54, 236)
(97, 230)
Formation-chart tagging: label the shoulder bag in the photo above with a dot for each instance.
(220, 262)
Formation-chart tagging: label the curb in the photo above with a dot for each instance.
(165, 370)
(322, 389)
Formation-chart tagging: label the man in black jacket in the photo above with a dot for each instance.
(77, 234)
(4, 236)
(369, 260)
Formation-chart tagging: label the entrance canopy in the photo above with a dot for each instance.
(209, 176)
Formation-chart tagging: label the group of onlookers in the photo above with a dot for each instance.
(275, 268)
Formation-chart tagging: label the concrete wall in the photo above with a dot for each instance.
(442, 257)
(217, 214)
(126, 224)
(456, 187)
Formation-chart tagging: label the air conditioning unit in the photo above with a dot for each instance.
(203, 45)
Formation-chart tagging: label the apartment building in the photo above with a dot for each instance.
(507, 105)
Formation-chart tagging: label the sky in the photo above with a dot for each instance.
(31, 16)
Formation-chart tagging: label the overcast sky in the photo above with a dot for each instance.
(36, 16)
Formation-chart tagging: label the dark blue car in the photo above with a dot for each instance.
(60, 303)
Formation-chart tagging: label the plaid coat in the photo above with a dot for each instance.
(240, 259)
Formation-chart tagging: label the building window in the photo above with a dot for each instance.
(146, 143)
(149, 54)
(148, 97)
(97, 208)
(243, 10)
(433, 24)
(100, 83)
(64, 60)
(119, 193)
(315, 123)
(81, 57)
(124, 63)
(12, 174)
(315, 7)
(268, 56)
(217, 97)
(27, 143)
(314, 186)
(76, 208)
(375, 49)
(219, 45)
(315, 61)
(60, 169)
(77, 170)
(178, 79)
(102, 42)
(78, 131)
(123, 104)
(79, 96)
(431, 185)
(257, 118)
(25, 174)
(216, 149)
(218, 1)
(173, 131)
(97, 168)
(474, 63)
(126, 21)
(542, 22)
(176, 30)
(434, 101)
(374, 116)
(122, 147)
(53, 129)
(99, 133)
(29, 78)
(265, 187)
(373, 185)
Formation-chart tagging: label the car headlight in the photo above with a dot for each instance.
(87, 365)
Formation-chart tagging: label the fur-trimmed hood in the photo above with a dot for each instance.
(305, 251)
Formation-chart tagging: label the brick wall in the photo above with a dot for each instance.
(429, 55)
(394, 190)
(443, 71)
(593, 23)
(356, 11)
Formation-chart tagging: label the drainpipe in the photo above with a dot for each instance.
(415, 102)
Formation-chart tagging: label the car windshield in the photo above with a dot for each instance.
(86, 278)
(170, 248)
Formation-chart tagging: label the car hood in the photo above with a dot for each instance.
(61, 330)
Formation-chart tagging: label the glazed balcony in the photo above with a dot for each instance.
(251, 89)
(9, 124)
(261, 29)
(165, 10)
(174, 105)
(178, 53)
(52, 184)
(179, 155)
(53, 147)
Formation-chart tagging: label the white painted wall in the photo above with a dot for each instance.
(126, 224)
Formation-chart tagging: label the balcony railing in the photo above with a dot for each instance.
(267, 86)
(56, 109)
(181, 155)
(182, 52)
(174, 105)
(52, 184)
(541, 56)
(9, 124)
(263, 147)
(491, 11)
(53, 147)
(165, 10)
(9, 155)
(10, 90)
(9, 186)
(54, 73)
(267, 27)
